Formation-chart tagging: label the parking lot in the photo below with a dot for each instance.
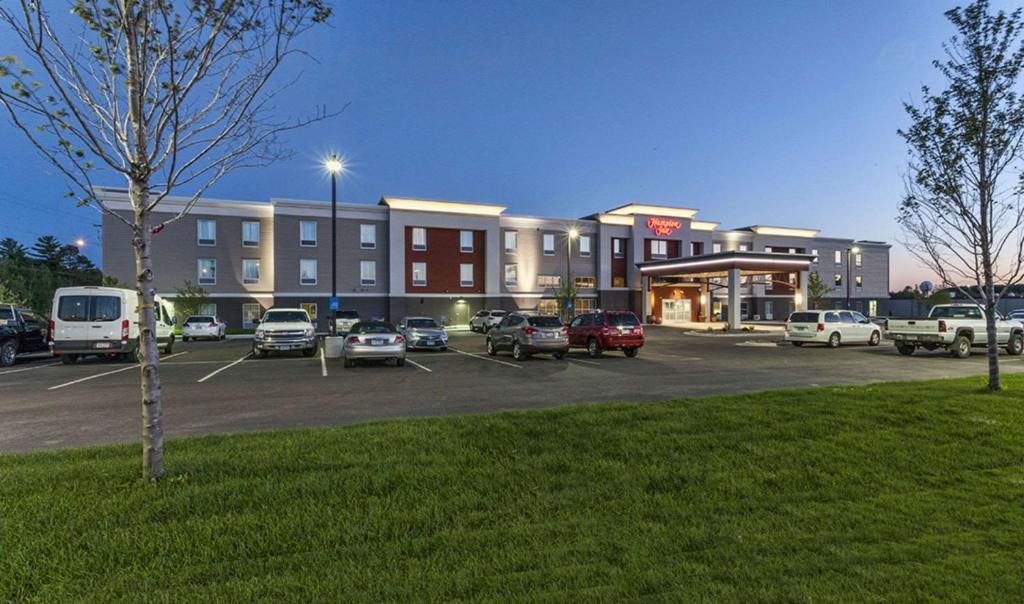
(211, 387)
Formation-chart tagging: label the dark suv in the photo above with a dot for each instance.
(20, 331)
(607, 330)
(525, 335)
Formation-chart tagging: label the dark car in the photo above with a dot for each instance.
(526, 335)
(607, 330)
(21, 330)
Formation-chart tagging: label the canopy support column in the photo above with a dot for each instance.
(734, 299)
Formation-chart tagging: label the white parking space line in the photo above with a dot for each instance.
(323, 362)
(99, 375)
(28, 368)
(228, 366)
(587, 362)
(415, 364)
(485, 358)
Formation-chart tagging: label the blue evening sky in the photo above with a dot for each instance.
(781, 113)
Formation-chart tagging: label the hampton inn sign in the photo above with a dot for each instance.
(663, 227)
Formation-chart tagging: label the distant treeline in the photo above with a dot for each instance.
(30, 275)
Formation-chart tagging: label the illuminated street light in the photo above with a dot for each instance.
(80, 242)
(334, 166)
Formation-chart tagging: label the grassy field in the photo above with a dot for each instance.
(905, 492)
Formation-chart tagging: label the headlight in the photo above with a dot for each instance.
(259, 333)
(310, 332)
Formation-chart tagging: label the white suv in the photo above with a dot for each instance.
(831, 328)
(484, 320)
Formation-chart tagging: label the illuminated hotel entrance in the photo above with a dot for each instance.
(676, 311)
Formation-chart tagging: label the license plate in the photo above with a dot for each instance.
(798, 328)
(376, 342)
(102, 344)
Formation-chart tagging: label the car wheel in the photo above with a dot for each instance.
(875, 339)
(517, 352)
(400, 362)
(905, 349)
(593, 348)
(348, 363)
(491, 350)
(797, 344)
(444, 349)
(224, 336)
(559, 355)
(308, 352)
(8, 353)
(257, 353)
(631, 352)
(170, 346)
(68, 359)
(961, 347)
(184, 338)
(1015, 346)
(834, 340)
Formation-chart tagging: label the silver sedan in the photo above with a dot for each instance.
(423, 332)
(374, 340)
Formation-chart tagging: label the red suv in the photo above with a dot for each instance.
(607, 330)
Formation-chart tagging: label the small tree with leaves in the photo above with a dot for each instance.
(189, 299)
(165, 95)
(962, 214)
(817, 290)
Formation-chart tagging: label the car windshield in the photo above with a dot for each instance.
(803, 317)
(373, 327)
(6, 314)
(623, 320)
(286, 316)
(544, 321)
(499, 313)
(421, 323)
(199, 319)
(348, 314)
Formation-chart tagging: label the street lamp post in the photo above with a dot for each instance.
(569, 287)
(334, 166)
(849, 271)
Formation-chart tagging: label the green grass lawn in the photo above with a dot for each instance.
(908, 492)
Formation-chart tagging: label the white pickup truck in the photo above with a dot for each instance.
(955, 327)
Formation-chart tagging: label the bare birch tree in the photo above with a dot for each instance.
(962, 214)
(167, 94)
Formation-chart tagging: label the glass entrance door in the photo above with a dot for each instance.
(675, 311)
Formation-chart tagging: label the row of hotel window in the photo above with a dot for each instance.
(768, 280)
(207, 269)
(206, 233)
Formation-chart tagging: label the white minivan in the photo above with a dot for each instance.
(93, 320)
(832, 328)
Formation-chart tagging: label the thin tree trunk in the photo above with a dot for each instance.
(992, 345)
(149, 351)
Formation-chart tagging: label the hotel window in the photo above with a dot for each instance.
(618, 248)
(716, 248)
(207, 271)
(250, 314)
(511, 274)
(547, 306)
(618, 282)
(584, 245)
(307, 233)
(511, 242)
(307, 272)
(584, 305)
(310, 308)
(419, 238)
(659, 248)
(465, 241)
(419, 273)
(466, 275)
(585, 282)
(859, 282)
(250, 270)
(207, 232)
(549, 244)
(838, 257)
(208, 309)
(367, 236)
(250, 234)
(696, 248)
(792, 278)
(815, 254)
(744, 247)
(549, 281)
(838, 279)
(857, 260)
(368, 272)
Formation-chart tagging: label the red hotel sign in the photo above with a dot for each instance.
(663, 227)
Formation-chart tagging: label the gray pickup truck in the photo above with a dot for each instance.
(20, 331)
(955, 327)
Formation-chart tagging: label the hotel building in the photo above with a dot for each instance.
(405, 257)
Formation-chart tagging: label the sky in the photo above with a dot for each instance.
(780, 113)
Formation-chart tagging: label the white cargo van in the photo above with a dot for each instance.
(93, 320)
